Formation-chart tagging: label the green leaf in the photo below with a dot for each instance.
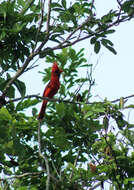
(34, 111)
(47, 52)
(60, 108)
(11, 90)
(22, 188)
(109, 31)
(127, 6)
(4, 114)
(2, 84)
(130, 106)
(21, 87)
(9, 145)
(62, 90)
(92, 110)
(111, 49)
(93, 40)
(18, 146)
(53, 5)
(26, 104)
(106, 42)
(60, 139)
(63, 3)
(97, 47)
(88, 114)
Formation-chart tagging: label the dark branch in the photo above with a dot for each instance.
(61, 100)
(43, 157)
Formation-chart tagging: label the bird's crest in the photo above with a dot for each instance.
(56, 68)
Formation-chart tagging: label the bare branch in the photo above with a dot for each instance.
(22, 175)
(44, 98)
(48, 16)
(91, 82)
(95, 186)
(119, 2)
(61, 100)
(56, 170)
(31, 67)
(75, 163)
(43, 157)
(78, 28)
(28, 174)
(40, 24)
(124, 98)
(92, 5)
(113, 155)
(67, 43)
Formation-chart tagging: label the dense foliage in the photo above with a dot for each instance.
(82, 144)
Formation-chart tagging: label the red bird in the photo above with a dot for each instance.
(51, 89)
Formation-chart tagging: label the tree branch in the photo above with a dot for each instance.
(28, 174)
(48, 16)
(43, 157)
(22, 175)
(67, 43)
(43, 98)
(61, 100)
(115, 160)
(40, 24)
(95, 186)
(119, 2)
(75, 163)
(124, 98)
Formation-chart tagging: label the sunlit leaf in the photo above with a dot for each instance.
(97, 47)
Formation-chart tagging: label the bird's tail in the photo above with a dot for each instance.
(42, 110)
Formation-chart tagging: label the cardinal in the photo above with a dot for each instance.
(51, 89)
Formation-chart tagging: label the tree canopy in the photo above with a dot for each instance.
(79, 144)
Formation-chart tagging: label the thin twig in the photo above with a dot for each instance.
(85, 37)
(119, 2)
(28, 174)
(22, 175)
(67, 43)
(75, 163)
(43, 157)
(115, 160)
(56, 170)
(78, 28)
(124, 98)
(92, 4)
(43, 98)
(97, 62)
(31, 67)
(48, 16)
(91, 82)
(40, 24)
(95, 186)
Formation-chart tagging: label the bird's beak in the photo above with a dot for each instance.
(61, 70)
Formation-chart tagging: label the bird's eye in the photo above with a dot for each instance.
(57, 71)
